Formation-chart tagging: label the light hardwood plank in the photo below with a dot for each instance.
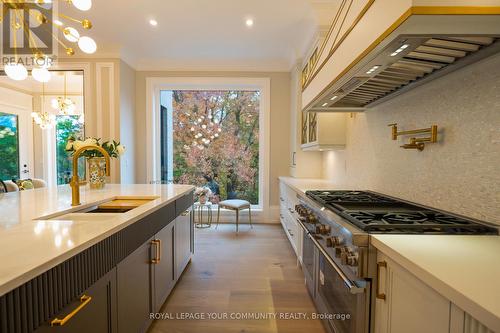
(253, 271)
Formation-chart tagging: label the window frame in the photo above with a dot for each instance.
(153, 154)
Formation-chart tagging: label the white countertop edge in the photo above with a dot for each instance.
(30, 274)
(491, 320)
(308, 183)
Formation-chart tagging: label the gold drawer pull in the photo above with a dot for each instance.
(186, 213)
(84, 301)
(380, 264)
(157, 257)
(159, 250)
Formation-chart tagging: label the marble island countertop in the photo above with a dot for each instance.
(34, 239)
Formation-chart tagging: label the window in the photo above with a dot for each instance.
(9, 146)
(211, 138)
(67, 126)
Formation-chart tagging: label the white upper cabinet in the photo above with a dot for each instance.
(323, 131)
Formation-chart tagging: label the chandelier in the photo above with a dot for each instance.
(204, 131)
(44, 119)
(15, 68)
(64, 104)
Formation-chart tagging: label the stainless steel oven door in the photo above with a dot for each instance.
(344, 304)
(308, 261)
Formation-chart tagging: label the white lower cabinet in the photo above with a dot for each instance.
(288, 217)
(410, 306)
(183, 230)
(406, 304)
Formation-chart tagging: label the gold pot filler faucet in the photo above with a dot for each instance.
(75, 180)
(416, 143)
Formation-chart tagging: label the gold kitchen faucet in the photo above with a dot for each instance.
(75, 181)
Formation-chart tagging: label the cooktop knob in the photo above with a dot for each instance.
(339, 251)
(329, 242)
(312, 219)
(337, 241)
(343, 258)
(352, 260)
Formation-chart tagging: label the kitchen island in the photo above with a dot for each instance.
(123, 243)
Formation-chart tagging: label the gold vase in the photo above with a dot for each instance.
(97, 172)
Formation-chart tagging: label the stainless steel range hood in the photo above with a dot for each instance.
(408, 61)
(421, 49)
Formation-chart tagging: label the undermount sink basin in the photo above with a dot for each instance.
(86, 217)
(105, 210)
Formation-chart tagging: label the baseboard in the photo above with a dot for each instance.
(258, 216)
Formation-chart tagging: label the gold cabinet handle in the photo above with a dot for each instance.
(84, 300)
(157, 244)
(379, 265)
(159, 250)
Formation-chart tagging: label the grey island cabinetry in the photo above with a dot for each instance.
(112, 286)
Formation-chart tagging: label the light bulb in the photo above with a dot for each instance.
(54, 103)
(16, 71)
(41, 74)
(71, 34)
(82, 4)
(87, 45)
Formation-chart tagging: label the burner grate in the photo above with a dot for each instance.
(376, 213)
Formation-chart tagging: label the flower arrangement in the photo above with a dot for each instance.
(202, 193)
(113, 148)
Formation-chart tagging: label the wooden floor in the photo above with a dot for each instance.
(252, 272)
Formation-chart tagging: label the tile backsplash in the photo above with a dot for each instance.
(460, 173)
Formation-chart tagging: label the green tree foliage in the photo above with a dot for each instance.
(67, 126)
(227, 153)
(9, 147)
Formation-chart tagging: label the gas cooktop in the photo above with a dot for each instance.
(376, 213)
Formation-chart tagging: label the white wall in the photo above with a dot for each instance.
(127, 123)
(458, 174)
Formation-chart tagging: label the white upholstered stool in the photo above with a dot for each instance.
(235, 205)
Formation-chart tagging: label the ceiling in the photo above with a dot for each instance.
(206, 34)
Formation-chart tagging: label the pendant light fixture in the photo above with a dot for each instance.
(65, 105)
(15, 69)
(44, 119)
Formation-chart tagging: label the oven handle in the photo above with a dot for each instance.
(302, 226)
(353, 289)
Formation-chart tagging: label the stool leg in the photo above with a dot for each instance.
(237, 219)
(250, 216)
(209, 216)
(218, 216)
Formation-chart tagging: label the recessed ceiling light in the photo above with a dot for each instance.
(249, 22)
(154, 23)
